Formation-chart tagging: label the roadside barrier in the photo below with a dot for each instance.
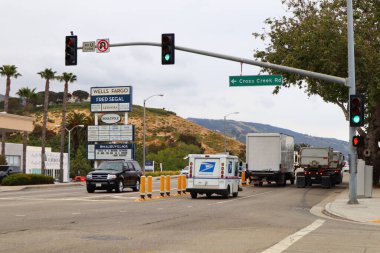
(162, 186)
(167, 185)
(183, 184)
(146, 187)
(142, 187)
(149, 187)
(179, 185)
(243, 179)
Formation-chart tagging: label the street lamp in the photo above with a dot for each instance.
(225, 140)
(144, 128)
(68, 152)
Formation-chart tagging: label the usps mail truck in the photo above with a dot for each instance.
(213, 174)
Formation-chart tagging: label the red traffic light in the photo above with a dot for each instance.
(357, 141)
(71, 50)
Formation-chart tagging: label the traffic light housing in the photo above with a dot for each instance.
(167, 48)
(357, 141)
(356, 111)
(71, 50)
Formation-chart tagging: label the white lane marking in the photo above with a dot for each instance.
(20, 215)
(226, 201)
(75, 213)
(291, 239)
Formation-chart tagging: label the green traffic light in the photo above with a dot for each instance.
(356, 119)
(167, 57)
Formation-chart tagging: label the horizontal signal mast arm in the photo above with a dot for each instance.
(311, 74)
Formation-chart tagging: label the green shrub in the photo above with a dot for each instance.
(41, 179)
(27, 179)
(16, 179)
(164, 173)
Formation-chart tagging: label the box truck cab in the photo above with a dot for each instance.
(213, 174)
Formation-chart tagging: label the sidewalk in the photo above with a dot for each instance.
(367, 211)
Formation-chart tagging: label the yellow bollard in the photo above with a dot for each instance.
(162, 186)
(149, 192)
(167, 185)
(243, 179)
(179, 184)
(184, 184)
(142, 187)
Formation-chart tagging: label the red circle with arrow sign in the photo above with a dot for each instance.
(102, 46)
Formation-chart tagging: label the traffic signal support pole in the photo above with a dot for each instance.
(352, 91)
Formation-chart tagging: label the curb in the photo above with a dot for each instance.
(38, 186)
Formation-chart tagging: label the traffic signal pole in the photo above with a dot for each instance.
(352, 91)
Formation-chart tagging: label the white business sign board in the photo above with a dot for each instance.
(111, 118)
(111, 99)
(111, 133)
(110, 151)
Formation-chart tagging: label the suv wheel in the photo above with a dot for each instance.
(120, 186)
(136, 188)
(90, 189)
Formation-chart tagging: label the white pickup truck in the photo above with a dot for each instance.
(213, 174)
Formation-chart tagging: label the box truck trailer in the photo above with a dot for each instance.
(270, 158)
(213, 174)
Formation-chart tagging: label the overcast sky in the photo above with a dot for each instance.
(33, 35)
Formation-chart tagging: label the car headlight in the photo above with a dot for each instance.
(89, 176)
(109, 176)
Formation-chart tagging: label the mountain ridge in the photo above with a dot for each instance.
(239, 129)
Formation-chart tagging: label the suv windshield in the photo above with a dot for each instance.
(4, 167)
(110, 166)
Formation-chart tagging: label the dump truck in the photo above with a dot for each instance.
(270, 158)
(317, 169)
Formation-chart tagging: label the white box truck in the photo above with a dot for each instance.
(209, 174)
(270, 158)
(317, 167)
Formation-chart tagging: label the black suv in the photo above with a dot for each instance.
(6, 170)
(116, 175)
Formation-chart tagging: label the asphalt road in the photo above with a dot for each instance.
(258, 220)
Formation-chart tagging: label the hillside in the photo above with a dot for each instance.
(239, 129)
(162, 127)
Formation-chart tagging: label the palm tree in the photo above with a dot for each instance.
(79, 134)
(9, 71)
(27, 95)
(67, 78)
(47, 74)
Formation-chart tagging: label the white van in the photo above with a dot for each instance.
(211, 174)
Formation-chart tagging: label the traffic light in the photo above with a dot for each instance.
(167, 48)
(357, 141)
(356, 111)
(71, 50)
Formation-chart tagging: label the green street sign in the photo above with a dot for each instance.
(262, 80)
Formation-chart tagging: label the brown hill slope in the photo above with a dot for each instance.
(162, 127)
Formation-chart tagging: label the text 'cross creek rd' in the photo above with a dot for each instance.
(261, 80)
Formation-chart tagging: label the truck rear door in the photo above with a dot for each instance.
(265, 152)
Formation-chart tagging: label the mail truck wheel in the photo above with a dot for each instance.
(226, 195)
(193, 195)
